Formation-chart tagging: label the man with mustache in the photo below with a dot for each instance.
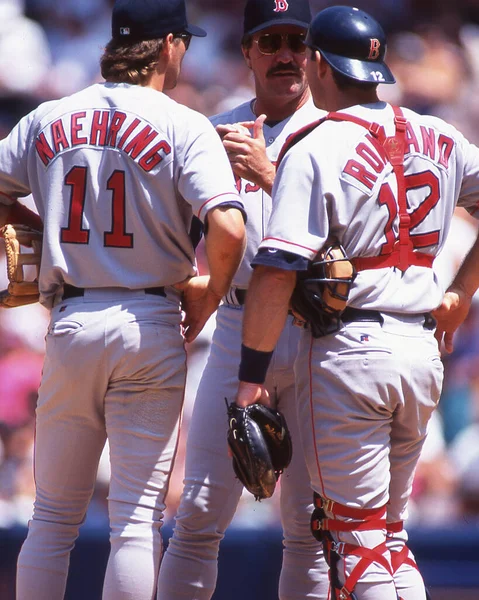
(253, 134)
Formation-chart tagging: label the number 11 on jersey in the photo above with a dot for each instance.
(75, 233)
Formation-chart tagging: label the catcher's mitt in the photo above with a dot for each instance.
(19, 291)
(261, 447)
(321, 293)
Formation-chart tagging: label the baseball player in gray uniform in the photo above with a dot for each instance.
(273, 47)
(117, 172)
(384, 182)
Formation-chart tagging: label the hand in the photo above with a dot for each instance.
(247, 153)
(242, 128)
(250, 393)
(450, 314)
(199, 303)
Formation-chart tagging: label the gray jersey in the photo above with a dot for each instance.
(85, 157)
(258, 203)
(343, 191)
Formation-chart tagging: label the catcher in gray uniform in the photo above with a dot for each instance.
(253, 134)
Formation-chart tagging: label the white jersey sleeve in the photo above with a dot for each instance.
(333, 184)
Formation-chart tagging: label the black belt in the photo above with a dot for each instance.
(70, 291)
(240, 296)
(351, 314)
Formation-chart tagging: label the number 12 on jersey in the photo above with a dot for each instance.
(75, 233)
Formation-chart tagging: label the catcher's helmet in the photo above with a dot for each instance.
(352, 42)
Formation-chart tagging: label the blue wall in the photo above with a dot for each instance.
(250, 561)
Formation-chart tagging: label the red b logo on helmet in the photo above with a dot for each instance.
(281, 6)
(374, 49)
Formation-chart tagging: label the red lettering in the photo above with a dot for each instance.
(127, 133)
(153, 156)
(116, 122)
(99, 128)
(359, 172)
(251, 187)
(140, 141)
(370, 157)
(428, 142)
(374, 49)
(43, 149)
(238, 182)
(76, 128)
(59, 137)
(445, 144)
(411, 139)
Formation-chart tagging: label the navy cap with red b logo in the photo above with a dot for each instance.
(261, 14)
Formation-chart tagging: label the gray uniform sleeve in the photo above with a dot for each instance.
(14, 148)
(299, 222)
(206, 179)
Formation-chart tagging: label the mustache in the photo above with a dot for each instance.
(285, 68)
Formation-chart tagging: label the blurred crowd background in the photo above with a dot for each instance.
(49, 49)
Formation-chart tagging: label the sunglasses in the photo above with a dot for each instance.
(270, 43)
(186, 37)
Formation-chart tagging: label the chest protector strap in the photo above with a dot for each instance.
(392, 149)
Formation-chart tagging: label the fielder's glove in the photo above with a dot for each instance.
(261, 447)
(16, 238)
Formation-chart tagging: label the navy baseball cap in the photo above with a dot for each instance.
(150, 19)
(261, 14)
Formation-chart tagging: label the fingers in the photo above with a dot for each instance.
(238, 128)
(246, 124)
(191, 332)
(265, 398)
(448, 342)
(258, 127)
(235, 146)
(223, 130)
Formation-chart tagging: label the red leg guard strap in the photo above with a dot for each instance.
(368, 557)
(341, 510)
(335, 525)
(402, 558)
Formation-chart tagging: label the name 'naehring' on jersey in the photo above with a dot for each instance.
(428, 142)
(103, 129)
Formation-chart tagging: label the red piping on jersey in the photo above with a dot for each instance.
(402, 254)
(310, 370)
(218, 196)
(290, 244)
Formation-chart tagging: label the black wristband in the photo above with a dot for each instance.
(254, 365)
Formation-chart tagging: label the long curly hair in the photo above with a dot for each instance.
(132, 63)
